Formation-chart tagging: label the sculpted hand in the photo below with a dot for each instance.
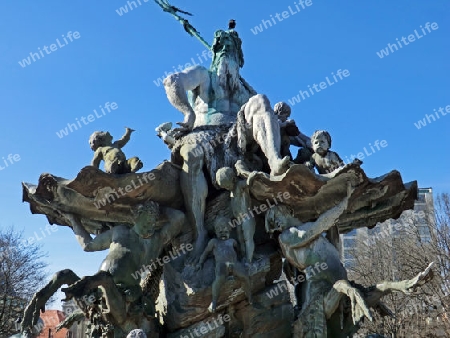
(251, 178)
(77, 289)
(287, 123)
(241, 169)
(310, 165)
(186, 126)
(419, 280)
(358, 304)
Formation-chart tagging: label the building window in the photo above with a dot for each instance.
(349, 242)
(421, 198)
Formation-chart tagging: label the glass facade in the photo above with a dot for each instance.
(421, 217)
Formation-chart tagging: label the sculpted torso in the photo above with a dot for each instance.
(224, 251)
(319, 251)
(112, 153)
(328, 163)
(128, 252)
(126, 255)
(240, 199)
(212, 103)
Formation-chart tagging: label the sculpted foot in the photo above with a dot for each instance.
(212, 307)
(136, 164)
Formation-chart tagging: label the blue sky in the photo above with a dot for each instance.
(119, 58)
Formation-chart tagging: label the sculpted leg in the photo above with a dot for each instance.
(242, 275)
(241, 241)
(266, 132)
(194, 189)
(134, 164)
(248, 230)
(176, 86)
(217, 284)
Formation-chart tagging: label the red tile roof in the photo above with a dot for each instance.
(51, 319)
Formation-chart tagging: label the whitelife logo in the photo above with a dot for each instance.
(53, 47)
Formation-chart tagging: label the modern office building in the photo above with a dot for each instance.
(421, 217)
(421, 223)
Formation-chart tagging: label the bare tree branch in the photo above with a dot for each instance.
(21, 275)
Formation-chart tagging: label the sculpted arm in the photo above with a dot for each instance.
(124, 140)
(301, 140)
(173, 226)
(176, 85)
(297, 238)
(336, 158)
(209, 248)
(238, 249)
(360, 305)
(98, 157)
(243, 171)
(89, 244)
(407, 286)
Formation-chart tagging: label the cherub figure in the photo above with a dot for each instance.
(290, 134)
(240, 204)
(111, 153)
(323, 159)
(227, 265)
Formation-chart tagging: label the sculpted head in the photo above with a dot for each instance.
(226, 178)
(146, 218)
(227, 58)
(321, 142)
(138, 333)
(100, 139)
(277, 218)
(221, 228)
(282, 110)
(229, 44)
